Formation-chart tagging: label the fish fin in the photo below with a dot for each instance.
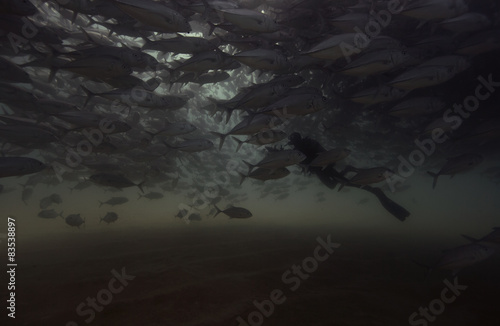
(229, 113)
(427, 267)
(170, 147)
(212, 27)
(100, 203)
(243, 177)
(53, 71)
(250, 166)
(471, 239)
(435, 176)
(218, 210)
(140, 196)
(73, 17)
(140, 185)
(240, 142)
(89, 93)
(151, 84)
(221, 136)
(61, 214)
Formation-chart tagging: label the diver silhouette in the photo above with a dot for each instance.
(330, 177)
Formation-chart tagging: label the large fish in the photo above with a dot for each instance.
(18, 166)
(192, 145)
(429, 10)
(234, 212)
(458, 164)
(110, 217)
(458, 258)
(417, 106)
(263, 59)
(249, 126)
(96, 67)
(376, 63)
(265, 174)
(114, 180)
(74, 220)
(371, 175)
(154, 14)
(339, 46)
(264, 137)
(10, 72)
(324, 159)
(114, 201)
(278, 159)
(249, 20)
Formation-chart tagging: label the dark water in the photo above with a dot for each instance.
(320, 247)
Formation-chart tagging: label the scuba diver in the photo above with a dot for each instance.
(331, 177)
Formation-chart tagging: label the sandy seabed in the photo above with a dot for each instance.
(201, 276)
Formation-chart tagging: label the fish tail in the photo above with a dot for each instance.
(471, 239)
(140, 186)
(218, 210)
(435, 176)
(170, 147)
(427, 267)
(147, 43)
(229, 113)
(243, 177)
(240, 142)
(53, 71)
(221, 136)
(89, 93)
(250, 166)
(152, 134)
(212, 26)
